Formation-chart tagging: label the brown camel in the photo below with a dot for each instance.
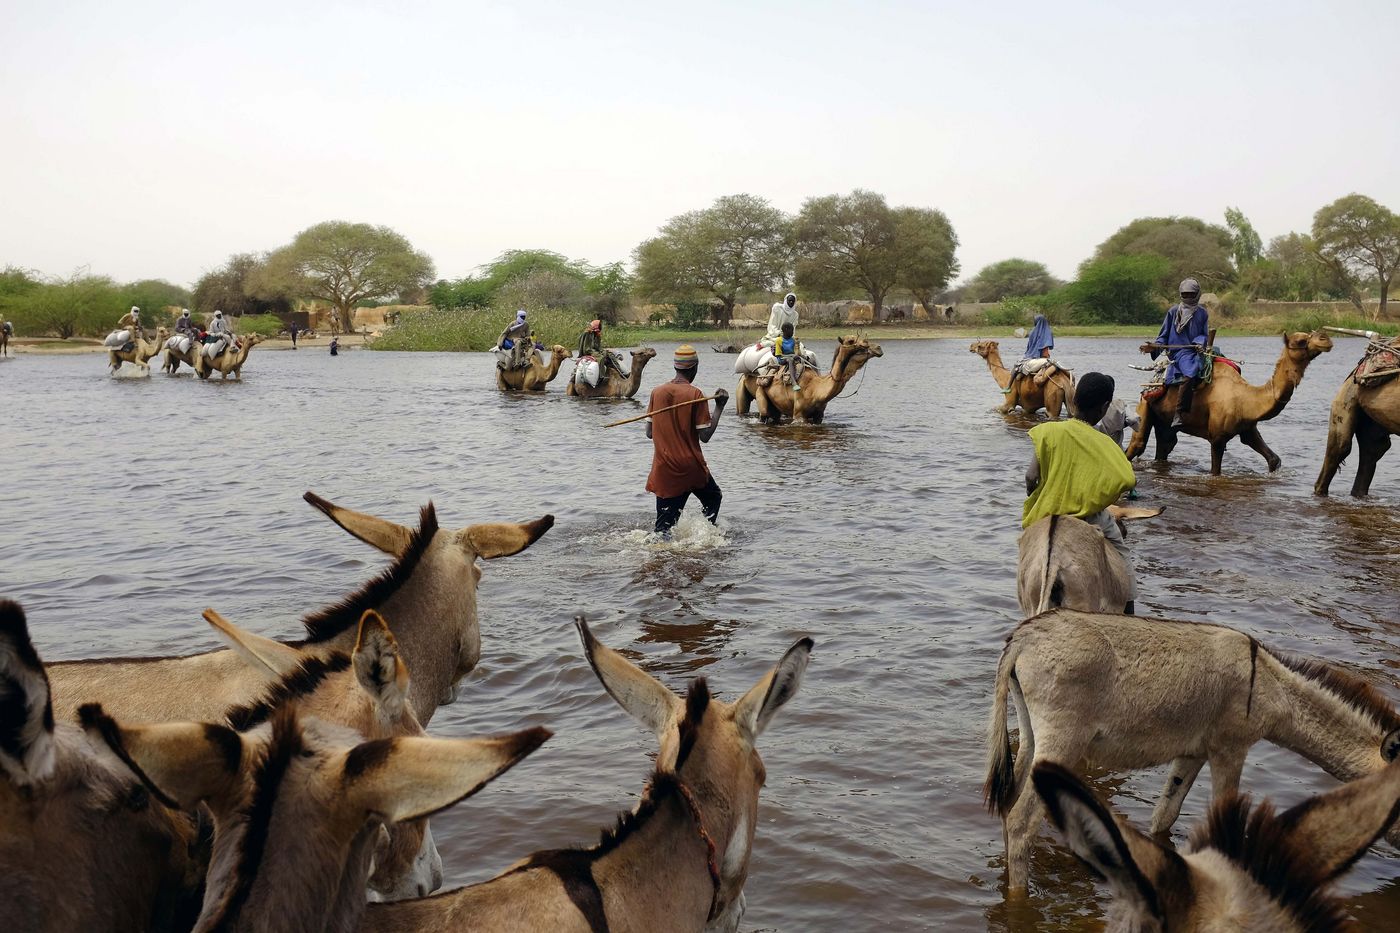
(1066, 563)
(1228, 407)
(173, 358)
(616, 386)
(536, 376)
(230, 361)
(1371, 414)
(1051, 389)
(140, 353)
(777, 401)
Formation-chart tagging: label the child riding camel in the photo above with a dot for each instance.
(787, 351)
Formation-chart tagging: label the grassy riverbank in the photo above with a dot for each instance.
(478, 330)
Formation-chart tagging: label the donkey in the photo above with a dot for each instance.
(1124, 692)
(366, 691)
(82, 844)
(679, 861)
(1066, 562)
(299, 805)
(1246, 869)
(429, 592)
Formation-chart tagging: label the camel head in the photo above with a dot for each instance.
(162, 335)
(642, 356)
(254, 339)
(1304, 348)
(983, 348)
(561, 354)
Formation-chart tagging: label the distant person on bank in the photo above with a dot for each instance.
(678, 467)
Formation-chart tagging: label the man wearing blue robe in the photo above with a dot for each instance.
(1041, 341)
(1187, 330)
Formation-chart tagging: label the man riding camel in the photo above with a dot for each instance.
(590, 343)
(1183, 336)
(131, 320)
(220, 335)
(784, 312)
(1038, 346)
(516, 340)
(1079, 471)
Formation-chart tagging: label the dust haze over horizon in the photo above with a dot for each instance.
(153, 140)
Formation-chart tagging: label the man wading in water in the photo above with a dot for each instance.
(678, 467)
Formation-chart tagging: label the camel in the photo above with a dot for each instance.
(1228, 407)
(1370, 414)
(1127, 692)
(229, 361)
(366, 691)
(776, 400)
(679, 861)
(83, 846)
(1066, 563)
(535, 376)
(428, 594)
(173, 358)
(141, 352)
(1246, 868)
(616, 387)
(1052, 389)
(299, 805)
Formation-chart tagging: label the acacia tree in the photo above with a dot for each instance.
(848, 241)
(739, 243)
(343, 264)
(1011, 278)
(233, 288)
(1356, 237)
(927, 249)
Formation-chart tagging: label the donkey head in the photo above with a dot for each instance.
(1247, 869)
(439, 609)
(366, 691)
(299, 805)
(710, 746)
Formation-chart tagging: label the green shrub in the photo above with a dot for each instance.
(692, 315)
(1312, 319)
(1121, 290)
(265, 325)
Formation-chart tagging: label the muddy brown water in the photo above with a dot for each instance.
(888, 534)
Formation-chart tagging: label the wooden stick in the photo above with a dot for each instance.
(694, 401)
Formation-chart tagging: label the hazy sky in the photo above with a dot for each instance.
(155, 139)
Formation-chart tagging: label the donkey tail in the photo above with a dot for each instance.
(999, 790)
(1051, 588)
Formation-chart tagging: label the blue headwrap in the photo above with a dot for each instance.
(1040, 338)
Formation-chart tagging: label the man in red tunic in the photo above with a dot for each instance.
(678, 467)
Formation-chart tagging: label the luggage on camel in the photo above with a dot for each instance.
(118, 339)
(587, 371)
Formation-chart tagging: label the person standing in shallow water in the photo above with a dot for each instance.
(678, 467)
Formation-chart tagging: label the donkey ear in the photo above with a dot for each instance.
(1390, 745)
(26, 740)
(183, 763)
(413, 777)
(1128, 513)
(756, 708)
(272, 658)
(502, 539)
(1128, 861)
(379, 669)
(645, 698)
(1336, 828)
(376, 532)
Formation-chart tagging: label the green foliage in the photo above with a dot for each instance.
(1355, 237)
(739, 243)
(847, 242)
(1245, 245)
(156, 298)
(232, 288)
(476, 330)
(1119, 290)
(1312, 319)
(1022, 309)
(927, 248)
(343, 264)
(692, 315)
(1192, 248)
(266, 325)
(537, 279)
(1010, 278)
(81, 305)
(469, 293)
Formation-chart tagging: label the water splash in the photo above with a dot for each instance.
(132, 371)
(693, 534)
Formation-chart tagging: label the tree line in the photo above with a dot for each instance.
(1350, 254)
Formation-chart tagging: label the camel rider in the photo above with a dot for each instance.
(590, 343)
(1187, 330)
(787, 351)
(220, 334)
(1038, 346)
(784, 312)
(185, 325)
(516, 339)
(131, 320)
(1080, 471)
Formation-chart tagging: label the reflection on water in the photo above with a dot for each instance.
(888, 533)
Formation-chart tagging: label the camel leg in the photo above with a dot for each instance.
(1373, 441)
(1217, 454)
(742, 398)
(1142, 433)
(1179, 780)
(1254, 440)
(1166, 441)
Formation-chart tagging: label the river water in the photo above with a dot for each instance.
(888, 534)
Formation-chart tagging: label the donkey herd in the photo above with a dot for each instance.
(278, 785)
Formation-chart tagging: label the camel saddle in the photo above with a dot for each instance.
(1380, 364)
